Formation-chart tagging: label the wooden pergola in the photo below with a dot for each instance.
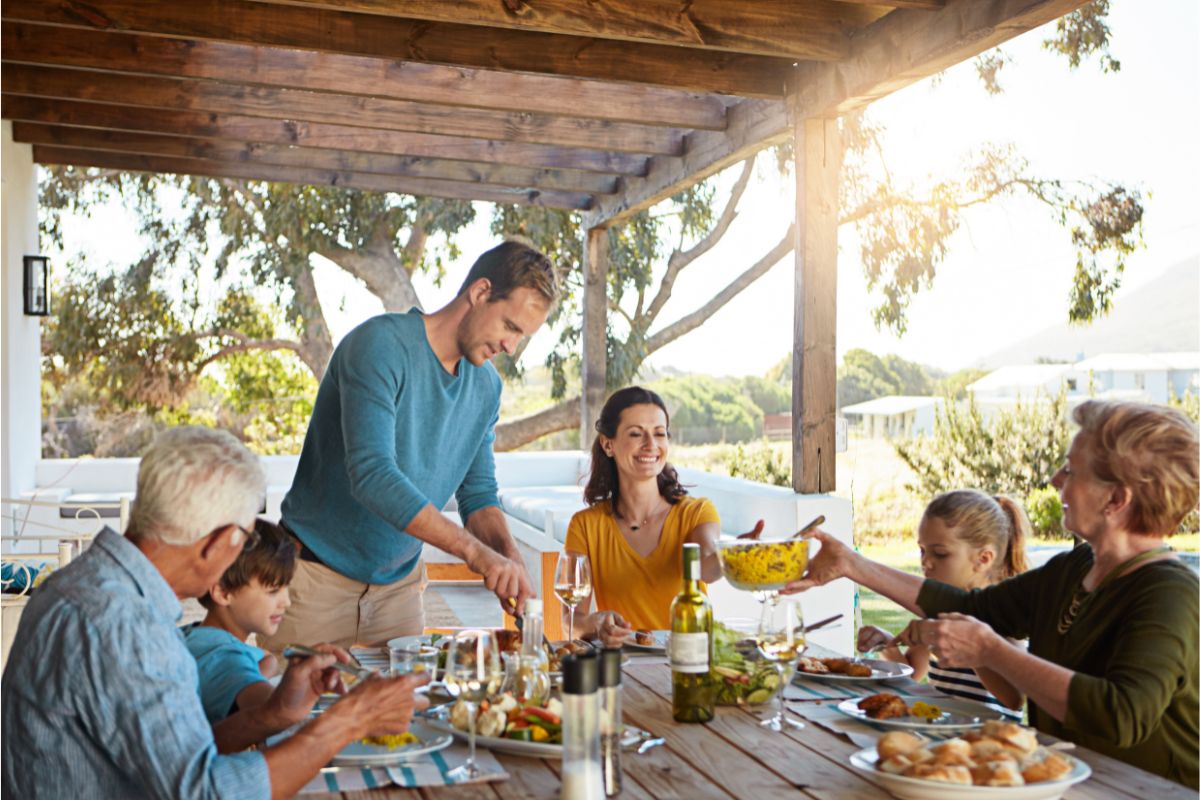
(602, 106)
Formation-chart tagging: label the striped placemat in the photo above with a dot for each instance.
(429, 770)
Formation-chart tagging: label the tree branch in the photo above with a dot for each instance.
(680, 259)
(698, 317)
(245, 344)
(523, 430)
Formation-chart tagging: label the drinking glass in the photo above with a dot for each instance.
(473, 674)
(781, 641)
(572, 583)
(413, 657)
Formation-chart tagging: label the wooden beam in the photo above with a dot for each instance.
(805, 29)
(423, 187)
(908, 45)
(379, 77)
(595, 333)
(926, 5)
(753, 125)
(903, 47)
(414, 40)
(334, 109)
(818, 159)
(153, 144)
(310, 134)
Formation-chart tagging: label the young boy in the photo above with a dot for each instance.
(250, 598)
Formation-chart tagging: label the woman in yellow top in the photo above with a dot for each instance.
(637, 521)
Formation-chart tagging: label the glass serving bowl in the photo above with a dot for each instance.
(762, 566)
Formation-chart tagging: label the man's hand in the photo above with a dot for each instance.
(871, 637)
(268, 665)
(956, 639)
(831, 562)
(505, 577)
(381, 706)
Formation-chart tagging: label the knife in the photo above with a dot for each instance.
(303, 651)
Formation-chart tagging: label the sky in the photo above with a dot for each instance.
(1009, 269)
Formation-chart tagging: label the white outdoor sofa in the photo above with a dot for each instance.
(539, 492)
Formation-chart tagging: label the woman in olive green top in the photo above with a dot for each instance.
(1112, 625)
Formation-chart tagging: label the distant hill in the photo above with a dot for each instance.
(1162, 316)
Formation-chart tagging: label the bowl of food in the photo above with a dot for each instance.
(740, 681)
(760, 566)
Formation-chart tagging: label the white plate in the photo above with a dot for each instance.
(659, 647)
(880, 671)
(632, 735)
(918, 789)
(957, 715)
(359, 753)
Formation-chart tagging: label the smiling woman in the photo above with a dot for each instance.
(638, 520)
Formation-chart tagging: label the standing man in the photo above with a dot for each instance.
(403, 420)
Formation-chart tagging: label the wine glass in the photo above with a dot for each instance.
(572, 583)
(472, 675)
(781, 641)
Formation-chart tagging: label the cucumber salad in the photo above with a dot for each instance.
(740, 681)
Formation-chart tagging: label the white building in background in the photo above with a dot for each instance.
(1139, 377)
(896, 417)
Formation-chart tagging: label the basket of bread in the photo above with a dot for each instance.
(998, 756)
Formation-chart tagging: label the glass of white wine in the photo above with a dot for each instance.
(780, 640)
(473, 673)
(572, 583)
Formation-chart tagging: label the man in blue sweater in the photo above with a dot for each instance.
(403, 420)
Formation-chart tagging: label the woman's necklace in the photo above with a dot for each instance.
(635, 525)
(1081, 596)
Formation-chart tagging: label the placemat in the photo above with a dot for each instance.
(430, 770)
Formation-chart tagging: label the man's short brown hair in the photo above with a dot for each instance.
(272, 562)
(514, 265)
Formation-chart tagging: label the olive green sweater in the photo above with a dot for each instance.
(1132, 647)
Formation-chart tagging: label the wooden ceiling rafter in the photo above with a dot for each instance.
(474, 46)
(165, 146)
(186, 94)
(340, 137)
(425, 187)
(237, 62)
(790, 29)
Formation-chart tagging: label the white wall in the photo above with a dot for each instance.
(20, 336)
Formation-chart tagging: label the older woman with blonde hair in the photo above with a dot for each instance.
(1112, 624)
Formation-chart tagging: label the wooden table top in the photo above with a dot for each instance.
(732, 757)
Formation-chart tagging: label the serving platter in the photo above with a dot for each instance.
(361, 754)
(957, 715)
(880, 671)
(631, 736)
(920, 789)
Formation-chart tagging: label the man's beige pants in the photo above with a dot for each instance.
(329, 607)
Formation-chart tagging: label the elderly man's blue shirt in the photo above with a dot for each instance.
(100, 693)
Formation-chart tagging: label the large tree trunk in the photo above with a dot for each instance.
(316, 344)
(382, 269)
(523, 430)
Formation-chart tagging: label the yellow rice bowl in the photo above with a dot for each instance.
(763, 566)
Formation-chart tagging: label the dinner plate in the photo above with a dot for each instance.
(920, 789)
(880, 671)
(659, 647)
(957, 715)
(359, 753)
(630, 737)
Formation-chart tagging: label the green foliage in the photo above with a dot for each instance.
(1015, 452)
(1082, 33)
(705, 409)
(865, 376)
(768, 395)
(759, 462)
(1188, 404)
(1045, 510)
(954, 385)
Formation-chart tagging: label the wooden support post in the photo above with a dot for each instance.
(818, 159)
(595, 340)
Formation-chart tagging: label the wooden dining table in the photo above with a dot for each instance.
(734, 757)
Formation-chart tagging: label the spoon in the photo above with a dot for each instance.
(650, 744)
(820, 520)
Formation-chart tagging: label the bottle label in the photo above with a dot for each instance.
(689, 652)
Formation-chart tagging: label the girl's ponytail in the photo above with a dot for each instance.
(1015, 561)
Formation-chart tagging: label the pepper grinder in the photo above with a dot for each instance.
(582, 775)
(610, 719)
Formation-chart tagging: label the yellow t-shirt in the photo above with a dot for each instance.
(638, 588)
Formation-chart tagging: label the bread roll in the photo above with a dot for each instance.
(898, 743)
(1051, 768)
(945, 773)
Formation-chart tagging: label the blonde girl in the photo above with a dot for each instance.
(969, 540)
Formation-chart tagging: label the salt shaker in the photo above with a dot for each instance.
(610, 719)
(582, 775)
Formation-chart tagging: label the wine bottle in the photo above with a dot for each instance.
(690, 645)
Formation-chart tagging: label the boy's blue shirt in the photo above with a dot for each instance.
(225, 664)
(391, 432)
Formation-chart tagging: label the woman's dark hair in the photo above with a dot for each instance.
(603, 484)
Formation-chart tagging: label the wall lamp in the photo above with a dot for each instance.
(37, 286)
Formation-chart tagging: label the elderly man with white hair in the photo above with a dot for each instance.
(99, 696)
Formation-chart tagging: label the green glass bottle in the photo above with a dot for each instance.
(691, 645)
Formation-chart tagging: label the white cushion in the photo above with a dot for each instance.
(547, 508)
